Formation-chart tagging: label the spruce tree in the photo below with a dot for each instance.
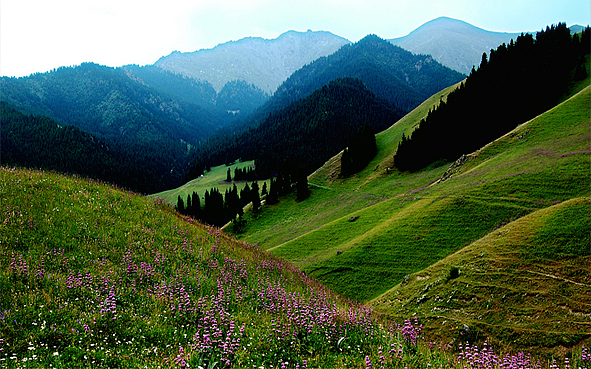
(256, 199)
(302, 191)
(189, 207)
(180, 205)
(196, 203)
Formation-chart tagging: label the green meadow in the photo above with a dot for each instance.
(374, 232)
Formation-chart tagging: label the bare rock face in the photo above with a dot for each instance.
(264, 63)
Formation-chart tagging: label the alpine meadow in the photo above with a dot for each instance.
(303, 202)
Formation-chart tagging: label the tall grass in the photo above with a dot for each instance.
(92, 276)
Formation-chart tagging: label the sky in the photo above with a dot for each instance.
(39, 35)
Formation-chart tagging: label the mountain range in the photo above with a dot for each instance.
(400, 79)
(265, 63)
(164, 108)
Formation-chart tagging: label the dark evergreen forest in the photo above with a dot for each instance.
(359, 152)
(40, 142)
(301, 137)
(401, 79)
(514, 84)
(219, 209)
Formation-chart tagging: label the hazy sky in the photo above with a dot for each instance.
(39, 35)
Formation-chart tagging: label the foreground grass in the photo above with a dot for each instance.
(91, 276)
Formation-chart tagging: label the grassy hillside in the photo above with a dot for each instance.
(407, 222)
(215, 177)
(91, 276)
(526, 283)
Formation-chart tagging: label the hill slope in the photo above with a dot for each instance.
(456, 44)
(524, 283)
(362, 234)
(264, 63)
(96, 277)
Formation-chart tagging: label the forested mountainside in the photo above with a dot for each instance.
(264, 63)
(397, 77)
(301, 137)
(525, 78)
(40, 142)
(236, 99)
(106, 102)
(146, 116)
(392, 73)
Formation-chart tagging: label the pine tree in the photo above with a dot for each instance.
(228, 176)
(273, 196)
(180, 205)
(264, 190)
(302, 191)
(196, 203)
(256, 199)
(189, 207)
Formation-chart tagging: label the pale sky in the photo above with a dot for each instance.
(39, 35)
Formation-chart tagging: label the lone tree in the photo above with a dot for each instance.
(180, 205)
(302, 191)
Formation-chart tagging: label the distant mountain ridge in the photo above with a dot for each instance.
(399, 78)
(454, 43)
(265, 63)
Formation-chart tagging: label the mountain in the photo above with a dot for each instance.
(264, 63)
(392, 73)
(40, 142)
(236, 99)
(397, 77)
(454, 43)
(106, 102)
(512, 217)
(150, 114)
(302, 136)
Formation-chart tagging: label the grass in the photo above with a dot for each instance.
(214, 178)
(408, 222)
(92, 276)
(525, 284)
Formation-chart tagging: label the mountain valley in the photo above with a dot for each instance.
(415, 210)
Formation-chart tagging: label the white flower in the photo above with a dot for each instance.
(55, 353)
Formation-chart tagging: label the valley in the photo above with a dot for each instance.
(154, 218)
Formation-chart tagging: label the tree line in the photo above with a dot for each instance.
(40, 142)
(513, 84)
(218, 209)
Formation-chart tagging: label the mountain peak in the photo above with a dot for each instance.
(265, 63)
(454, 43)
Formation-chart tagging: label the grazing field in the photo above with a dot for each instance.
(92, 276)
(365, 235)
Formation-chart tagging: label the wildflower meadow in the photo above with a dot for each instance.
(94, 276)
